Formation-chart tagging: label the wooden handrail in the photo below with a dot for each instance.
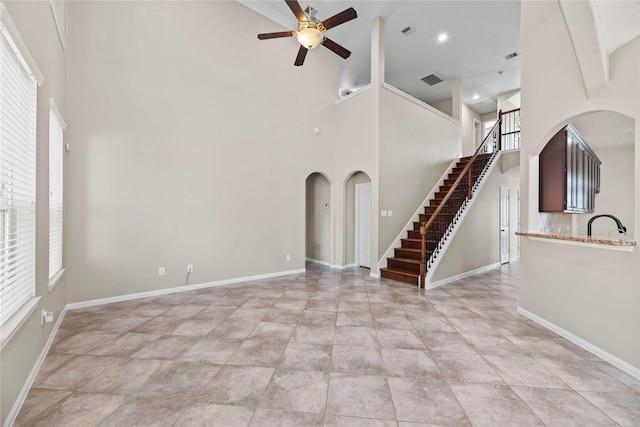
(466, 170)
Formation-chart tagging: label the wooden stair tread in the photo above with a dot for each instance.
(407, 260)
(405, 265)
(400, 272)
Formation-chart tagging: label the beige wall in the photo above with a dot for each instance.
(182, 153)
(35, 24)
(616, 195)
(476, 243)
(588, 292)
(417, 145)
(466, 122)
(468, 115)
(317, 219)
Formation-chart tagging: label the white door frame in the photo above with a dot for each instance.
(358, 204)
(477, 134)
(505, 232)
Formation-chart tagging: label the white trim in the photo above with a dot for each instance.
(56, 111)
(442, 282)
(56, 279)
(418, 102)
(59, 23)
(128, 297)
(358, 225)
(604, 355)
(352, 94)
(329, 265)
(382, 262)
(585, 244)
(34, 372)
(10, 27)
(15, 322)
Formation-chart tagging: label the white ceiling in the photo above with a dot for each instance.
(480, 34)
(606, 129)
(619, 21)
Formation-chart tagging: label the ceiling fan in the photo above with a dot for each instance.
(309, 33)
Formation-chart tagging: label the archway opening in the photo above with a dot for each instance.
(317, 219)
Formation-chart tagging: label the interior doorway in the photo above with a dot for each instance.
(363, 225)
(505, 210)
(477, 134)
(318, 219)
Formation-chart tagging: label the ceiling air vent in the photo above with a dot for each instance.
(511, 55)
(407, 30)
(432, 79)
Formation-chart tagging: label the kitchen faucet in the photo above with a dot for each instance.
(621, 228)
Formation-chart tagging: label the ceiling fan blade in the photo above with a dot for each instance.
(340, 18)
(266, 36)
(296, 9)
(336, 48)
(302, 53)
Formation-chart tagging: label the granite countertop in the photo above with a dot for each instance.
(583, 239)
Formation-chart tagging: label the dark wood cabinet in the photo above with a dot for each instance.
(569, 174)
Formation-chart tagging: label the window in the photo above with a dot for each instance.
(56, 149)
(18, 86)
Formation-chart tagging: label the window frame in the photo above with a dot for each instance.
(56, 201)
(11, 322)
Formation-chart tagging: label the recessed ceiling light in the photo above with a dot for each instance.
(476, 96)
(442, 37)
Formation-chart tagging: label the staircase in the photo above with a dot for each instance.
(405, 265)
(423, 244)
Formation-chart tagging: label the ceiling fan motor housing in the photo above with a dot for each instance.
(310, 33)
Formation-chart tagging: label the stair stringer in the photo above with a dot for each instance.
(451, 231)
(382, 262)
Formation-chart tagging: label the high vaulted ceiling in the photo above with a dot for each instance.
(480, 34)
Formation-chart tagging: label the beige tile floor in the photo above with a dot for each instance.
(325, 348)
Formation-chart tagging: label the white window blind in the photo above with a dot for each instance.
(56, 147)
(18, 88)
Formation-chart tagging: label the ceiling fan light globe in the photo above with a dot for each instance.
(310, 38)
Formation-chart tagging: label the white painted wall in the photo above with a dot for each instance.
(417, 144)
(35, 24)
(592, 293)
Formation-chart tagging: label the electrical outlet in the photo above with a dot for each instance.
(161, 271)
(189, 268)
(389, 213)
(288, 257)
(46, 317)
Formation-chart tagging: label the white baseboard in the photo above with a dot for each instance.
(328, 264)
(442, 282)
(34, 372)
(604, 355)
(138, 295)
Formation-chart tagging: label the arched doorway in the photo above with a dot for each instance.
(318, 219)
